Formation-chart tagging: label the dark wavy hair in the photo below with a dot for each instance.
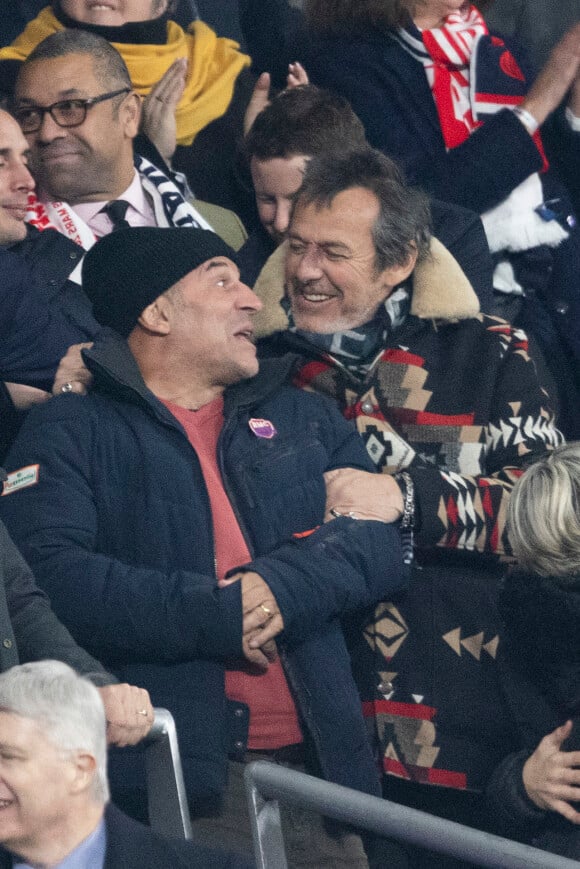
(403, 225)
(346, 16)
(304, 120)
(353, 15)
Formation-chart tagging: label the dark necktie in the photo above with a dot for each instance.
(116, 211)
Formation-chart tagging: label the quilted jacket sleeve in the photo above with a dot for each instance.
(127, 611)
(344, 566)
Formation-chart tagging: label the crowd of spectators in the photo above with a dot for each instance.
(289, 351)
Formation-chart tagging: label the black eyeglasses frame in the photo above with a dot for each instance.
(84, 104)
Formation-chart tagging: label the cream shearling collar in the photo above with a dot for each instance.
(441, 290)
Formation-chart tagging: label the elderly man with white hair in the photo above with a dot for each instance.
(54, 809)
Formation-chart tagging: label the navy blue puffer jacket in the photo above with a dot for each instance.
(118, 532)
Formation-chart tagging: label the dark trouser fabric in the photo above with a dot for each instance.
(307, 841)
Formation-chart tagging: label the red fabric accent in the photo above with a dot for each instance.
(453, 539)
(450, 49)
(455, 130)
(457, 780)
(37, 216)
(521, 344)
(395, 767)
(273, 716)
(510, 66)
(419, 417)
(395, 354)
(451, 510)
(399, 710)
(301, 534)
(537, 137)
(424, 418)
(424, 774)
(308, 372)
(494, 538)
(486, 500)
(497, 100)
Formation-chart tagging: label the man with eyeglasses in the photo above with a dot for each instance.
(65, 113)
(76, 106)
(29, 349)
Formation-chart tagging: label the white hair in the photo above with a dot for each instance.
(66, 706)
(544, 515)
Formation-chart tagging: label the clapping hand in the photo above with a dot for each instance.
(552, 776)
(159, 106)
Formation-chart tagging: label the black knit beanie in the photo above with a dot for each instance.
(128, 269)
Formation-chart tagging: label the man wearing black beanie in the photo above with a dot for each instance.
(130, 268)
(177, 520)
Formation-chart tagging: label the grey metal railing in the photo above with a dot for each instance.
(267, 783)
(168, 809)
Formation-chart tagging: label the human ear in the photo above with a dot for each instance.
(157, 317)
(158, 7)
(85, 767)
(395, 275)
(130, 114)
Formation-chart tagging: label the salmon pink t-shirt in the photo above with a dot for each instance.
(273, 717)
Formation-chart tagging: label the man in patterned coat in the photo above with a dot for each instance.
(449, 405)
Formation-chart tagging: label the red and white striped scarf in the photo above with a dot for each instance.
(472, 75)
(445, 53)
(450, 48)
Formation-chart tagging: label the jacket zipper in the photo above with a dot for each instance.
(300, 697)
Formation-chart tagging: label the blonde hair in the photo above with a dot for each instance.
(544, 515)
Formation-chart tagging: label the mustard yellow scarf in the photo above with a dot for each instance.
(214, 64)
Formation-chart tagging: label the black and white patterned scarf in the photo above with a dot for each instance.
(357, 349)
(169, 206)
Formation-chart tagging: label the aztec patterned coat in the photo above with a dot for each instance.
(454, 399)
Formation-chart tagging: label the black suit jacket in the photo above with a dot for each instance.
(130, 845)
(29, 629)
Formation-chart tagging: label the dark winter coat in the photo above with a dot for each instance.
(119, 532)
(454, 399)
(133, 846)
(43, 311)
(541, 681)
(29, 630)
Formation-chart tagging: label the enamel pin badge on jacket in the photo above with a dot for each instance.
(263, 428)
